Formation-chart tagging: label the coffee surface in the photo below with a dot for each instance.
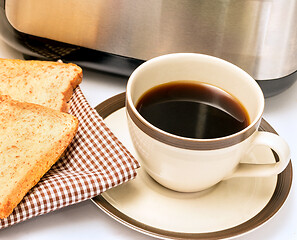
(193, 110)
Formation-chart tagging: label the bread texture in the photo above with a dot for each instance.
(32, 139)
(47, 83)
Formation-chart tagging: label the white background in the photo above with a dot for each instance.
(86, 221)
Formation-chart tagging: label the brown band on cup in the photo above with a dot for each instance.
(189, 143)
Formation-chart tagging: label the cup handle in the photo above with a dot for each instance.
(274, 142)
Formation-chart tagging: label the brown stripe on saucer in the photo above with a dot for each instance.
(107, 107)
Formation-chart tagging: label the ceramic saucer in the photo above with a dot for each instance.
(229, 209)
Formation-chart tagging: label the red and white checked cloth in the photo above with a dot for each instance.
(94, 162)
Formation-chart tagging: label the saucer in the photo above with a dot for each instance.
(230, 208)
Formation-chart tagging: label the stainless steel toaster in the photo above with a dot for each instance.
(259, 36)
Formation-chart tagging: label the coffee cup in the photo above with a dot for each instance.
(189, 163)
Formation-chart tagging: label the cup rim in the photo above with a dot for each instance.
(184, 142)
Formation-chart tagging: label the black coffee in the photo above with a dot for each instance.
(193, 110)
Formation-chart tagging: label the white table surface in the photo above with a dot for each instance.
(86, 221)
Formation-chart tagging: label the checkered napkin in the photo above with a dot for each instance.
(94, 162)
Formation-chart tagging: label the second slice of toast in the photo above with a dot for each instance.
(47, 83)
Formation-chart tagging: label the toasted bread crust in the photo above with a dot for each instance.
(47, 83)
(32, 139)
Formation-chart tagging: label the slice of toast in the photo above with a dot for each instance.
(32, 138)
(46, 83)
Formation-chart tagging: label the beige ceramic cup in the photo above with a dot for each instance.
(186, 164)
